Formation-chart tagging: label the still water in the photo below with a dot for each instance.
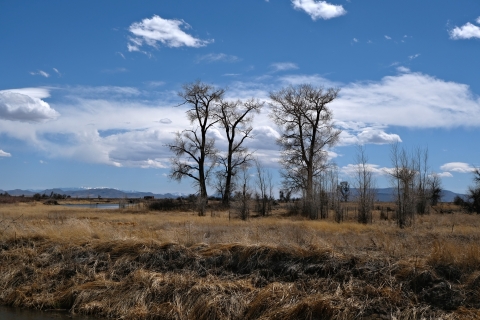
(7, 313)
(94, 205)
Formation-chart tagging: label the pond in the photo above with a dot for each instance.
(95, 205)
(7, 313)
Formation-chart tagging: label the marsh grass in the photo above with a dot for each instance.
(136, 264)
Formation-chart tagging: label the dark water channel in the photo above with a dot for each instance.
(7, 313)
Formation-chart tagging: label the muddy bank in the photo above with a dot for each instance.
(149, 280)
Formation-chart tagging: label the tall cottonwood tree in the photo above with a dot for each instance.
(307, 131)
(235, 117)
(194, 152)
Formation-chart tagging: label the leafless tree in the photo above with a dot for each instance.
(434, 189)
(403, 176)
(307, 131)
(235, 117)
(241, 204)
(194, 152)
(264, 192)
(365, 185)
(344, 190)
(420, 163)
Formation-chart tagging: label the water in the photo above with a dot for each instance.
(7, 313)
(94, 205)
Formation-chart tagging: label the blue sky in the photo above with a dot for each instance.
(88, 88)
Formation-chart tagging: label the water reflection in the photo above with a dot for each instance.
(7, 313)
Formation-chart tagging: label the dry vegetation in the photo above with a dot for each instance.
(135, 264)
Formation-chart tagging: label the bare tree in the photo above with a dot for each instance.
(194, 152)
(235, 117)
(434, 189)
(365, 185)
(473, 194)
(307, 131)
(344, 190)
(241, 204)
(403, 176)
(420, 163)
(264, 193)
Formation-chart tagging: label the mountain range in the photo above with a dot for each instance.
(383, 194)
(93, 193)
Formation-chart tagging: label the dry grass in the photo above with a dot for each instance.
(134, 264)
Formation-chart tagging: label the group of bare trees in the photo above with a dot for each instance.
(416, 188)
(307, 132)
(195, 153)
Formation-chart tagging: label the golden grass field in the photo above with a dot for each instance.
(140, 264)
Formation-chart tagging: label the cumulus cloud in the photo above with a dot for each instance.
(414, 56)
(157, 30)
(319, 9)
(17, 106)
(460, 167)
(218, 57)
(466, 31)
(4, 154)
(283, 66)
(388, 38)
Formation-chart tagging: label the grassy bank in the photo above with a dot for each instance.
(135, 264)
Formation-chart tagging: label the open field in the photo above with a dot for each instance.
(135, 264)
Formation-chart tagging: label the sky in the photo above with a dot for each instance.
(89, 89)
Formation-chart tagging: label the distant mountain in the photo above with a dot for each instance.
(388, 195)
(93, 193)
(383, 194)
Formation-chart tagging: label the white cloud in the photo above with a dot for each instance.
(40, 73)
(284, 66)
(387, 37)
(403, 69)
(466, 31)
(478, 20)
(445, 175)
(17, 106)
(319, 9)
(414, 56)
(165, 121)
(357, 133)
(412, 100)
(57, 72)
(39, 93)
(157, 30)
(215, 57)
(355, 40)
(352, 169)
(4, 154)
(315, 80)
(461, 167)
